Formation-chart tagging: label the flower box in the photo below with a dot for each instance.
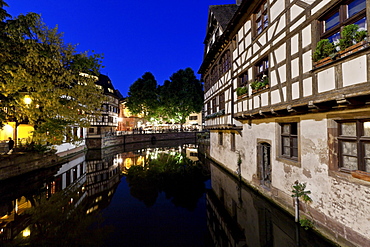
(260, 89)
(322, 62)
(361, 175)
(242, 96)
(354, 48)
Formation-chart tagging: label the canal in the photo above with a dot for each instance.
(149, 195)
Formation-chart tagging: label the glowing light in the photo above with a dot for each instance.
(26, 232)
(27, 100)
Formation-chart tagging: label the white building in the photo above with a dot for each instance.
(303, 121)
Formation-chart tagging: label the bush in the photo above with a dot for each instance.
(348, 36)
(324, 48)
(241, 91)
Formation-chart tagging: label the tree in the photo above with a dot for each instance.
(182, 95)
(143, 97)
(37, 65)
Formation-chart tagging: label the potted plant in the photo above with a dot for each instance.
(241, 91)
(260, 84)
(324, 49)
(352, 39)
(348, 36)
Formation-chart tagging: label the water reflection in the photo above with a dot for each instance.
(239, 217)
(62, 206)
(169, 204)
(169, 171)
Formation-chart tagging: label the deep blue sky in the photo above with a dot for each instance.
(135, 36)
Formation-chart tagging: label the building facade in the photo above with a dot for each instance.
(277, 113)
(107, 122)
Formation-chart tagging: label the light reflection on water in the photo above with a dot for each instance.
(90, 201)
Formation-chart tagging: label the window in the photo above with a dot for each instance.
(243, 80)
(206, 83)
(354, 145)
(214, 105)
(289, 140)
(232, 142)
(220, 138)
(209, 109)
(214, 75)
(262, 69)
(348, 12)
(261, 18)
(225, 62)
(221, 99)
(193, 117)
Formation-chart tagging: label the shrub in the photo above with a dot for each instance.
(241, 91)
(324, 48)
(360, 35)
(348, 36)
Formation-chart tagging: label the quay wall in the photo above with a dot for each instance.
(98, 142)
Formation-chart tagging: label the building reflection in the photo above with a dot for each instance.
(103, 177)
(89, 180)
(237, 216)
(140, 156)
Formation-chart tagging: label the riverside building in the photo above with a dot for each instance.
(290, 111)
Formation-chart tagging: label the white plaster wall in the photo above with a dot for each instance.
(307, 87)
(294, 44)
(295, 68)
(276, 9)
(223, 153)
(354, 71)
(318, 7)
(306, 36)
(326, 80)
(297, 24)
(306, 62)
(282, 73)
(295, 90)
(249, 144)
(280, 53)
(295, 11)
(275, 97)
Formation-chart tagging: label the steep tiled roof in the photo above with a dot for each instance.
(106, 83)
(223, 13)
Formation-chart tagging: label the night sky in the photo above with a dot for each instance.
(135, 37)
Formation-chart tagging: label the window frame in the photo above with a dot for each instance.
(291, 137)
(263, 10)
(243, 79)
(221, 100)
(220, 139)
(344, 19)
(359, 139)
(265, 71)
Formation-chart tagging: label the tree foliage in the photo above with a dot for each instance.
(143, 96)
(37, 64)
(182, 95)
(174, 101)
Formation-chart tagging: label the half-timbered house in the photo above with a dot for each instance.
(281, 108)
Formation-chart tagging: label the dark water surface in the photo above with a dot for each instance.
(91, 201)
